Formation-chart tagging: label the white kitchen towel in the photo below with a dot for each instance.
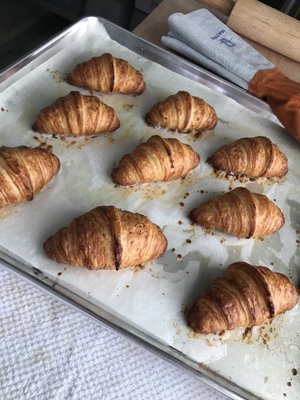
(49, 351)
(203, 38)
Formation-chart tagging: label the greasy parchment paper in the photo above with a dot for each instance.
(264, 361)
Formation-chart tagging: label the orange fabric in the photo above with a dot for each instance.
(283, 96)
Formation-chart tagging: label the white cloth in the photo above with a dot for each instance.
(203, 38)
(49, 351)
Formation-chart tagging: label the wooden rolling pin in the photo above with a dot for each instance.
(266, 26)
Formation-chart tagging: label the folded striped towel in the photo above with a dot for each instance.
(204, 39)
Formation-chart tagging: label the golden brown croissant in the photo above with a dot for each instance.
(255, 157)
(107, 74)
(156, 160)
(243, 296)
(107, 238)
(182, 112)
(76, 115)
(240, 213)
(24, 171)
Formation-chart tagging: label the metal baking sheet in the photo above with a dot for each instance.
(260, 365)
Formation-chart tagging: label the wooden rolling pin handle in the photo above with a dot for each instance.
(266, 26)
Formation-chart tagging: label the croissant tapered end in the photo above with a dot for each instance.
(240, 213)
(24, 171)
(182, 112)
(156, 160)
(107, 238)
(255, 157)
(243, 296)
(107, 74)
(76, 115)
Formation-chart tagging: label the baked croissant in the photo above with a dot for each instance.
(255, 157)
(240, 213)
(107, 74)
(107, 238)
(76, 115)
(156, 160)
(24, 171)
(182, 112)
(243, 296)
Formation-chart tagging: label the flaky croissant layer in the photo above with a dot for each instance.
(182, 112)
(240, 213)
(24, 171)
(76, 115)
(107, 238)
(243, 296)
(107, 74)
(157, 159)
(255, 157)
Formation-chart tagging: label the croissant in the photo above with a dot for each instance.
(182, 112)
(255, 157)
(243, 296)
(156, 160)
(107, 238)
(240, 213)
(107, 74)
(24, 171)
(75, 115)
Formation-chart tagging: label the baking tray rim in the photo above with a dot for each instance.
(30, 273)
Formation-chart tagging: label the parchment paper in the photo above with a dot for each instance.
(265, 361)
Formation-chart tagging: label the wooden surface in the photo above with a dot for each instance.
(267, 26)
(223, 6)
(155, 25)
